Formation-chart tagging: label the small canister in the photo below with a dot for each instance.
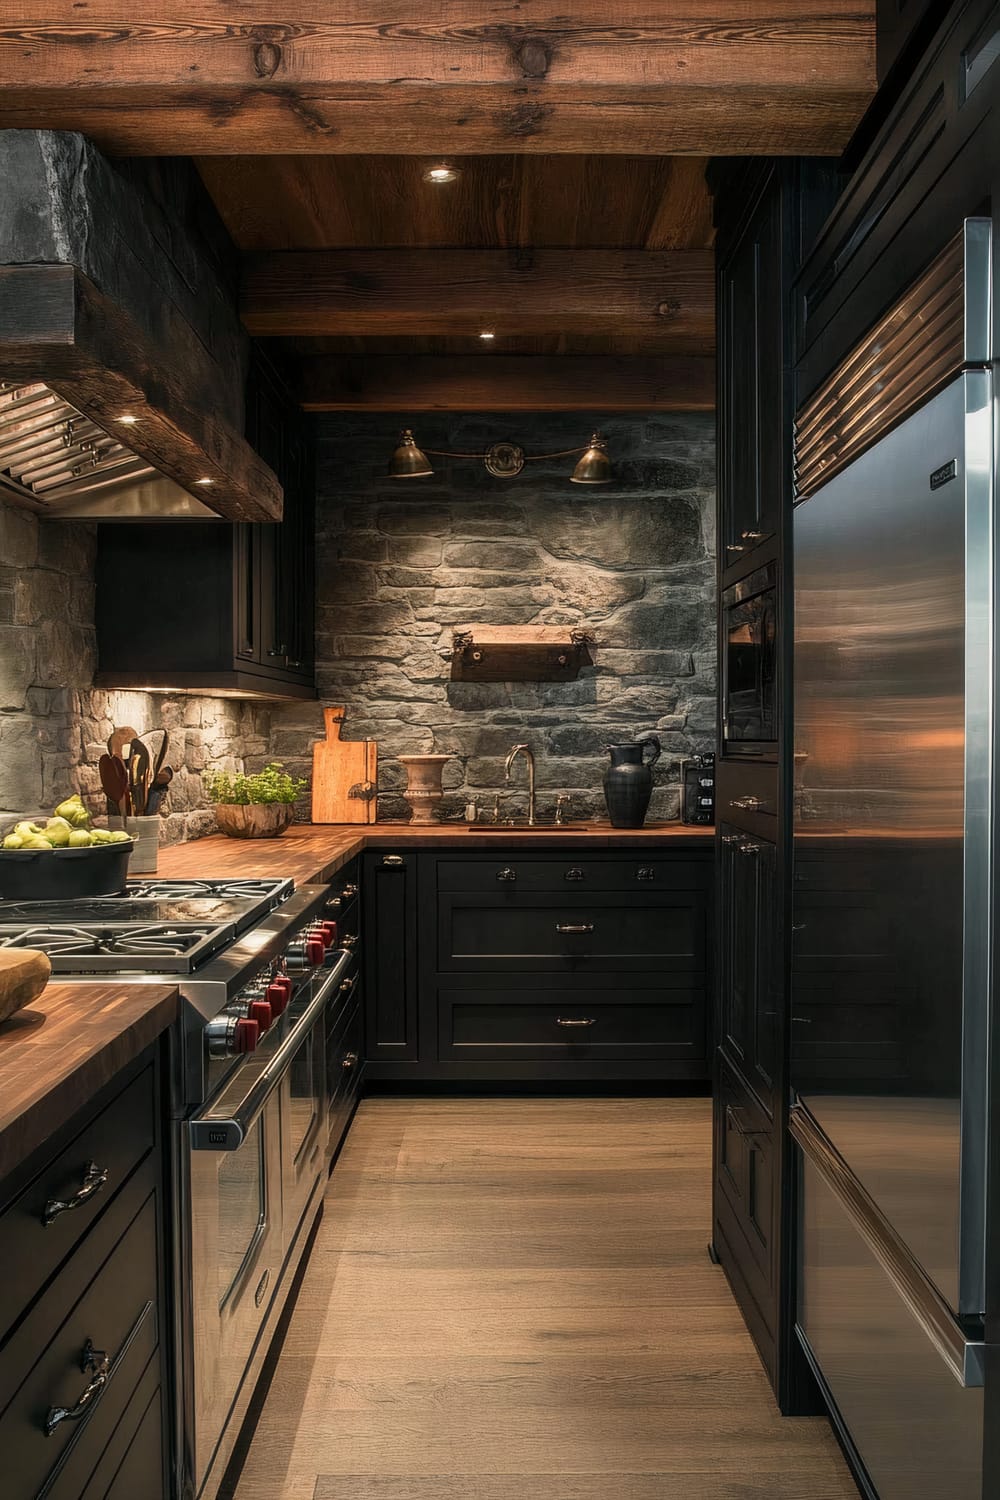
(146, 835)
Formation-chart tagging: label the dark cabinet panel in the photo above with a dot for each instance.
(749, 967)
(747, 1207)
(390, 919)
(751, 363)
(901, 27)
(213, 604)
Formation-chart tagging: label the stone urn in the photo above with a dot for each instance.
(255, 820)
(423, 784)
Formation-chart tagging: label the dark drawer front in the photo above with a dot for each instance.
(581, 1025)
(114, 1143)
(344, 1061)
(508, 873)
(660, 933)
(117, 1312)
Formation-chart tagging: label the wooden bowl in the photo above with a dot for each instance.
(258, 820)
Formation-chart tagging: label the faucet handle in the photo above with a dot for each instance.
(561, 801)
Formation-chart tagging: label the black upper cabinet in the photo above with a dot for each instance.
(901, 26)
(213, 605)
(751, 368)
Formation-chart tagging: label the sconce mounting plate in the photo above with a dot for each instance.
(504, 460)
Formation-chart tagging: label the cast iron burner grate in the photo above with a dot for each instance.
(161, 948)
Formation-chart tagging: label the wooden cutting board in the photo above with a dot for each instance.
(24, 973)
(341, 767)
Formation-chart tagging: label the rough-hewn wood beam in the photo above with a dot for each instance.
(630, 293)
(507, 382)
(56, 327)
(204, 77)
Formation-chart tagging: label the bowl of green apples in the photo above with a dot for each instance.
(63, 857)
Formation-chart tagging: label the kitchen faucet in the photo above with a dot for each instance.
(526, 750)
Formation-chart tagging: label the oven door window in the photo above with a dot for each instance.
(751, 669)
(242, 1209)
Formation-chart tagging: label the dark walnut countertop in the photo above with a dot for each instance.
(57, 1052)
(316, 851)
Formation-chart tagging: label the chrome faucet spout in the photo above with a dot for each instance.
(528, 754)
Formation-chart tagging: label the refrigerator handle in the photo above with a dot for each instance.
(964, 1357)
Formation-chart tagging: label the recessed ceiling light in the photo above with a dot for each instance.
(442, 173)
(487, 335)
(204, 481)
(128, 421)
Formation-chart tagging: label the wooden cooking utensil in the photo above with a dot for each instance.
(345, 775)
(118, 739)
(156, 761)
(138, 777)
(158, 790)
(24, 973)
(114, 781)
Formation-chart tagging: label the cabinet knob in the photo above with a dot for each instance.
(393, 861)
(573, 875)
(645, 873)
(507, 873)
(349, 1061)
(735, 547)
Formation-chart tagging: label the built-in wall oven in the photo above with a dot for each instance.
(750, 665)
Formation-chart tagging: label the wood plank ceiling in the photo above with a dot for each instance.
(579, 229)
(374, 279)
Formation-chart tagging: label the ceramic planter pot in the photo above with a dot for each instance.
(423, 784)
(257, 820)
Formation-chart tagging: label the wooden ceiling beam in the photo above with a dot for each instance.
(507, 382)
(459, 291)
(202, 77)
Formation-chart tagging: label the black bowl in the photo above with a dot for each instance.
(63, 874)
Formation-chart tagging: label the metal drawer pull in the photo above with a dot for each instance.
(574, 927)
(91, 1359)
(507, 873)
(749, 804)
(752, 536)
(394, 861)
(645, 874)
(732, 838)
(573, 875)
(95, 1179)
(349, 1061)
(348, 940)
(258, 1295)
(750, 849)
(576, 1020)
(349, 891)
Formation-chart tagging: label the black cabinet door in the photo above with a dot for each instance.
(390, 919)
(751, 362)
(749, 969)
(899, 21)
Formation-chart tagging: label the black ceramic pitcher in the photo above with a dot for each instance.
(628, 781)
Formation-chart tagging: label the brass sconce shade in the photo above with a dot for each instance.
(408, 462)
(503, 460)
(595, 465)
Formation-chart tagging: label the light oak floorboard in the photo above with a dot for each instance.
(512, 1299)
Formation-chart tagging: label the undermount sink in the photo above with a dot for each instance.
(521, 825)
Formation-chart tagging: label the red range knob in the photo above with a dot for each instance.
(328, 932)
(278, 994)
(246, 1035)
(315, 951)
(260, 1011)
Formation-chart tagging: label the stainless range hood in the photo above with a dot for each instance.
(61, 464)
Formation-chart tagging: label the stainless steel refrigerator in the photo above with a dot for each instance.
(893, 741)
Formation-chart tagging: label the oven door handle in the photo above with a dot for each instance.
(226, 1128)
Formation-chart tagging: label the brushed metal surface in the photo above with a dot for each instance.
(893, 630)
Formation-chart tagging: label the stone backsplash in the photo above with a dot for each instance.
(402, 562)
(54, 724)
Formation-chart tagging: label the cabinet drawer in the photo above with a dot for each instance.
(34, 1235)
(509, 872)
(116, 1310)
(545, 933)
(578, 1024)
(344, 1061)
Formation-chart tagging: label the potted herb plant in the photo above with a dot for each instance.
(257, 806)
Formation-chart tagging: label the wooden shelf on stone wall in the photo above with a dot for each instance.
(518, 653)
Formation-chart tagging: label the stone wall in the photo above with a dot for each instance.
(402, 562)
(54, 724)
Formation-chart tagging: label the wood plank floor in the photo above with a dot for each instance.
(512, 1300)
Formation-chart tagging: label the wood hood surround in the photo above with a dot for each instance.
(93, 305)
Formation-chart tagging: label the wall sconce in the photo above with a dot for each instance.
(503, 460)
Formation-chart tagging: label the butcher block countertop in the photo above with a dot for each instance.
(57, 1052)
(316, 851)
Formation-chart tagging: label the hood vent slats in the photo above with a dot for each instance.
(50, 452)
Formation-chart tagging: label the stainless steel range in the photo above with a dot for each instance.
(264, 970)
